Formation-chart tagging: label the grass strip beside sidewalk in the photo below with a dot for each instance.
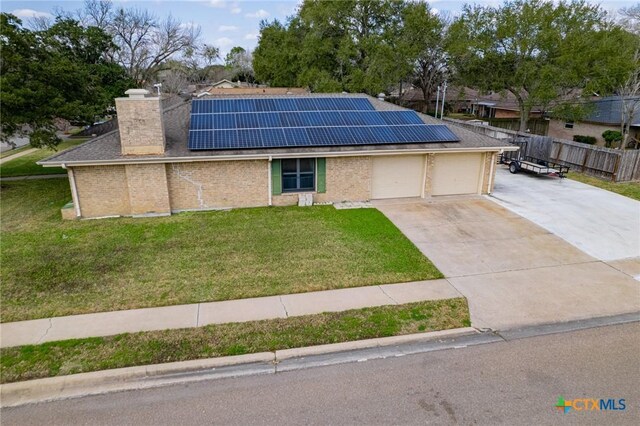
(127, 350)
(26, 165)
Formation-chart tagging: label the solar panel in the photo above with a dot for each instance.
(318, 136)
(296, 136)
(306, 121)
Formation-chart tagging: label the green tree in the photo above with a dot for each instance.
(275, 59)
(351, 45)
(535, 49)
(240, 62)
(423, 41)
(59, 72)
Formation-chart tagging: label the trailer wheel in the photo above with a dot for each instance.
(514, 167)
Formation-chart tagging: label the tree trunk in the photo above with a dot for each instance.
(425, 108)
(524, 118)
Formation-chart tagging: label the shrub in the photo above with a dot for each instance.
(611, 136)
(585, 139)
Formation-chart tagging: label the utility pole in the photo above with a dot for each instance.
(437, 100)
(444, 94)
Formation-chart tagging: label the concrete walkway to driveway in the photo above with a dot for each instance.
(603, 224)
(512, 271)
(200, 314)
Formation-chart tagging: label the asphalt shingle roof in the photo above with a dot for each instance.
(106, 148)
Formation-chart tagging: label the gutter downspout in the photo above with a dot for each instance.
(269, 180)
(74, 191)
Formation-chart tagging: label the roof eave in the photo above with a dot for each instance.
(266, 156)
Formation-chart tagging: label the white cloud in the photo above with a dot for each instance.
(189, 25)
(30, 13)
(225, 28)
(233, 7)
(259, 14)
(223, 42)
(251, 36)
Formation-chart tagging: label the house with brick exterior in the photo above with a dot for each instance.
(604, 114)
(247, 151)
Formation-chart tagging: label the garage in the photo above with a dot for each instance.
(397, 176)
(455, 174)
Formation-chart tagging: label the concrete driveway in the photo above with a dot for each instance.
(603, 224)
(512, 271)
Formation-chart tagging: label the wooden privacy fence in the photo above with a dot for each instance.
(614, 164)
(617, 165)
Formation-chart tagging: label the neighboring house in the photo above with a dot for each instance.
(248, 151)
(605, 115)
(471, 101)
(244, 89)
(226, 84)
(458, 100)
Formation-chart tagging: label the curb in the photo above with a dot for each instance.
(148, 376)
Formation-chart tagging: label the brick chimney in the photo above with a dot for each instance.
(140, 123)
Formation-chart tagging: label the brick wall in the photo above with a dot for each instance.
(147, 185)
(102, 190)
(347, 179)
(140, 124)
(218, 184)
(161, 188)
(557, 130)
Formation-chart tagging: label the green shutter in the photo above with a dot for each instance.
(321, 179)
(276, 177)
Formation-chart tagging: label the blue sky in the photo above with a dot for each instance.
(229, 23)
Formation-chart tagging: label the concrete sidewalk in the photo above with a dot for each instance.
(18, 155)
(200, 314)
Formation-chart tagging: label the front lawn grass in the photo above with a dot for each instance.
(26, 165)
(52, 267)
(628, 189)
(126, 350)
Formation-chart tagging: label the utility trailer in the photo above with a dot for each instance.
(533, 165)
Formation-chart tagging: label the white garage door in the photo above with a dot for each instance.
(456, 174)
(397, 176)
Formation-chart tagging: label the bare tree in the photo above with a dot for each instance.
(174, 81)
(144, 42)
(198, 61)
(40, 23)
(240, 62)
(96, 13)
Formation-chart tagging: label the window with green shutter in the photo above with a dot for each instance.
(276, 177)
(321, 184)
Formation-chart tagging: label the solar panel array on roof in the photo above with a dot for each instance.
(304, 122)
(217, 106)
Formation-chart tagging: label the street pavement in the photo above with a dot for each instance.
(514, 382)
